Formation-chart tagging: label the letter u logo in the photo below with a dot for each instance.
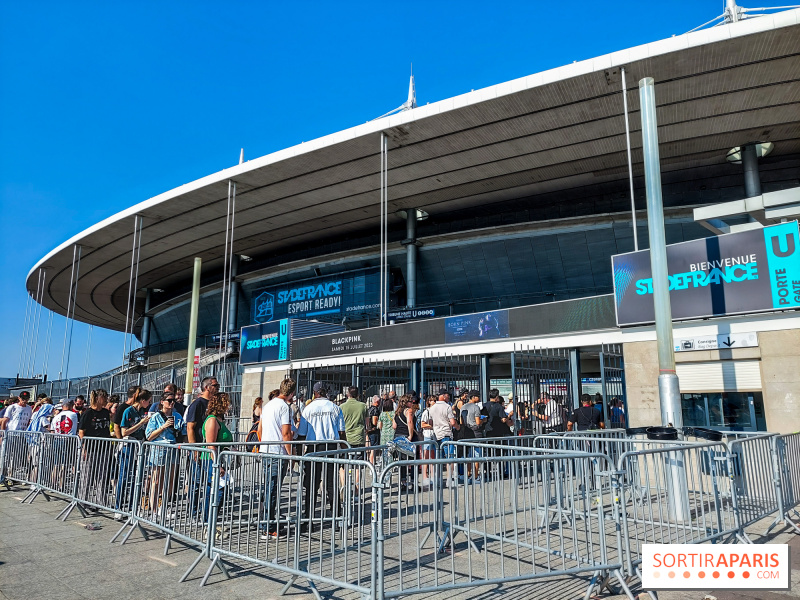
(776, 246)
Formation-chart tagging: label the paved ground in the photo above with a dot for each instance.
(41, 557)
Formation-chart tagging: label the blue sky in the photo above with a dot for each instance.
(104, 105)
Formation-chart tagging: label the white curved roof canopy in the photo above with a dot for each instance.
(715, 89)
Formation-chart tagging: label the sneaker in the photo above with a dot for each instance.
(274, 534)
(118, 516)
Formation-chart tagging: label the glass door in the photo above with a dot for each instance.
(729, 411)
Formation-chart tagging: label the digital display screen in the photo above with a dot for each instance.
(478, 327)
(265, 343)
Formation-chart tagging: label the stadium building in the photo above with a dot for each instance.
(469, 242)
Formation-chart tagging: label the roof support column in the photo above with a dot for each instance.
(752, 180)
(630, 160)
(668, 389)
(148, 320)
(411, 257)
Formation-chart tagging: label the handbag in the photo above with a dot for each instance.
(402, 445)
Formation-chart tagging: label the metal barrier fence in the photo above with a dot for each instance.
(678, 494)
(384, 524)
(785, 450)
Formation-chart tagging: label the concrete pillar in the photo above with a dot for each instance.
(148, 320)
(411, 257)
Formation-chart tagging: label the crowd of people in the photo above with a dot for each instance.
(407, 426)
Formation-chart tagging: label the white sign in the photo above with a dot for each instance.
(717, 566)
(716, 342)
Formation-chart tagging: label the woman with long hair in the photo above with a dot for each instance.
(403, 424)
(257, 405)
(167, 428)
(215, 431)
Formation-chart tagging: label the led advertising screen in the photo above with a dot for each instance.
(267, 342)
(750, 271)
(478, 327)
(348, 294)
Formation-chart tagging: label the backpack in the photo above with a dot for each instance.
(251, 442)
(418, 422)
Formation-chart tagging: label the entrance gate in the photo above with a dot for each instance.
(535, 372)
(612, 379)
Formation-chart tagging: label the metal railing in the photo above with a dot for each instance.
(385, 524)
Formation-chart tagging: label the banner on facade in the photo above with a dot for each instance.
(745, 272)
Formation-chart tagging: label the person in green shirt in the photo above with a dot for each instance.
(356, 418)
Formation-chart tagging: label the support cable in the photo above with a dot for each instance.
(630, 160)
(227, 270)
(132, 283)
(47, 342)
(23, 346)
(72, 299)
(37, 320)
(69, 306)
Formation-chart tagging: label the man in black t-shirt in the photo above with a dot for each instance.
(586, 417)
(196, 413)
(497, 419)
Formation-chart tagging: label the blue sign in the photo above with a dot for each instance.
(263, 307)
(750, 271)
(267, 342)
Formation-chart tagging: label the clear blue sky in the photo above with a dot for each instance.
(106, 104)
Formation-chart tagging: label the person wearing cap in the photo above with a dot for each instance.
(322, 422)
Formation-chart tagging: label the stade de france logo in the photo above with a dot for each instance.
(263, 307)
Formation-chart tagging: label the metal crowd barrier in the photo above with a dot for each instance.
(578, 505)
(308, 515)
(676, 494)
(785, 450)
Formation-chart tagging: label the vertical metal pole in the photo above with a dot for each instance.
(29, 339)
(514, 392)
(382, 277)
(88, 350)
(668, 389)
(630, 161)
(198, 263)
(130, 288)
(484, 382)
(575, 388)
(223, 304)
(411, 257)
(387, 274)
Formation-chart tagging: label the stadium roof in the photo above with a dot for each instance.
(715, 89)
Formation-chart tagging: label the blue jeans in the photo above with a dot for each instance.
(123, 497)
(274, 471)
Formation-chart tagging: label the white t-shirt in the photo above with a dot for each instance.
(322, 420)
(274, 414)
(19, 417)
(425, 417)
(65, 423)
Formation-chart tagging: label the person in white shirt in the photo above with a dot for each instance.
(66, 422)
(275, 425)
(19, 414)
(322, 422)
